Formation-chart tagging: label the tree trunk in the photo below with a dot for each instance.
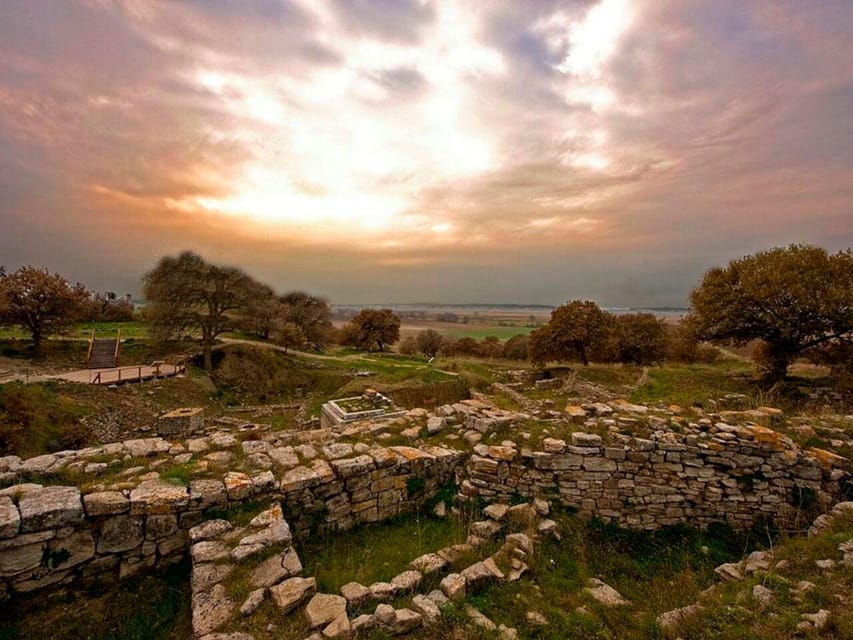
(207, 348)
(775, 363)
(36, 342)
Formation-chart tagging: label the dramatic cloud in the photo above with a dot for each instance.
(425, 150)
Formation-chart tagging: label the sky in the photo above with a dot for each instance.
(512, 151)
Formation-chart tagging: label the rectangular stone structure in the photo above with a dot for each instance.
(180, 422)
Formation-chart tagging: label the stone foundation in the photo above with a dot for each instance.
(723, 473)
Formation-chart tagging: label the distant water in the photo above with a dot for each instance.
(484, 308)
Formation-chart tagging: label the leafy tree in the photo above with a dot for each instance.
(40, 302)
(188, 293)
(793, 299)
(641, 338)
(288, 335)
(264, 314)
(429, 341)
(577, 330)
(311, 314)
(375, 327)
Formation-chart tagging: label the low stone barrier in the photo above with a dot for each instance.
(716, 473)
(53, 535)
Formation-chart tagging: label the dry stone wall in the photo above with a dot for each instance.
(718, 472)
(52, 535)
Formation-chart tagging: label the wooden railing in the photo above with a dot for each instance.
(91, 346)
(120, 375)
(118, 344)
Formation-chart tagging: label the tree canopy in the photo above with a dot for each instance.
(577, 330)
(40, 302)
(373, 328)
(794, 299)
(188, 293)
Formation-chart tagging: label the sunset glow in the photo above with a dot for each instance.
(438, 137)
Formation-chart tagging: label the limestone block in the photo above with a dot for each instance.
(160, 526)
(158, 497)
(105, 503)
(289, 594)
(120, 533)
(453, 586)
(70, 550)
(211, 609)
(323, 608)
(10, 518)
(50, 507)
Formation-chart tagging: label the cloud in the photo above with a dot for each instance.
(506, 151)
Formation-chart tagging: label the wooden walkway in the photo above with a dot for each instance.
(121, 375)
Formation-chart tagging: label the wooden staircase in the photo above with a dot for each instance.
(103, 352)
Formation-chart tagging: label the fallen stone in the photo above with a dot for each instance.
(479, 620)
(428, 564)
(762, 594)
(252, 602)
(211, 609)
(323, 608)
(407, 581)
(288, 595)
(427, 608)
(276, 568)
(673, 618)
(340, 627)
(605, 594)
(355, 593)
(453, 586)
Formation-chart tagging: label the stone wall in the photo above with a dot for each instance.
(709, 474)
(52, 535)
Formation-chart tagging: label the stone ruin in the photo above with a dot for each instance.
(371, 405)
(132, 516)
(181, 422)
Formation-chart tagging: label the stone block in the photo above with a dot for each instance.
(49, 508)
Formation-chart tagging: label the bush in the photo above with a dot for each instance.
(409, 346)
(517, 347)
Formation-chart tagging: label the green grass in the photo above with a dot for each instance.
(377, 553)
(695, 384)
(83, 330)
(478, 332)
(657, 571)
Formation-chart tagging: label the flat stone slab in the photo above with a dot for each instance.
(105, 503)
(50, 508)
(157, 497)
